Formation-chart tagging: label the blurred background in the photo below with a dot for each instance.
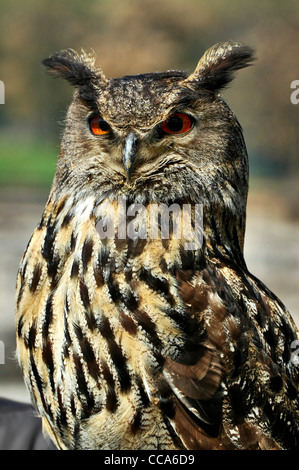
(135, 36)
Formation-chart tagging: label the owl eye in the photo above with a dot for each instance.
(98, 126)
(178, 123)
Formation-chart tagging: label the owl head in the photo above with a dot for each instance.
(161, 137)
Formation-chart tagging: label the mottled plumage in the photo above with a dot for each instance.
(141, 343)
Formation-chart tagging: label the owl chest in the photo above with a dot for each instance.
(98, 315)
(118, 297)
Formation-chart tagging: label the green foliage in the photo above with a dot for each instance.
(26, 164)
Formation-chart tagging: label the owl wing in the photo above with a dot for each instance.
(198, 399)
(232, 393)
(198, 377)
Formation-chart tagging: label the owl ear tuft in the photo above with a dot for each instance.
(78, 69)
(218, 65)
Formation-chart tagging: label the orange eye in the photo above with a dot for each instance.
(98, 126)
(178, 123)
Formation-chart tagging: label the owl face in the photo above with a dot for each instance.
(167, 135)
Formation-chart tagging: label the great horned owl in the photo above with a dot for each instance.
(139, 342)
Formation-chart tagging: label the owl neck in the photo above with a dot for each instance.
(224, 236)
(180, 229)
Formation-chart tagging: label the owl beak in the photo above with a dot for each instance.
(129, 153)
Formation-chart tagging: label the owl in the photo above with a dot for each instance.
(135, 339)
